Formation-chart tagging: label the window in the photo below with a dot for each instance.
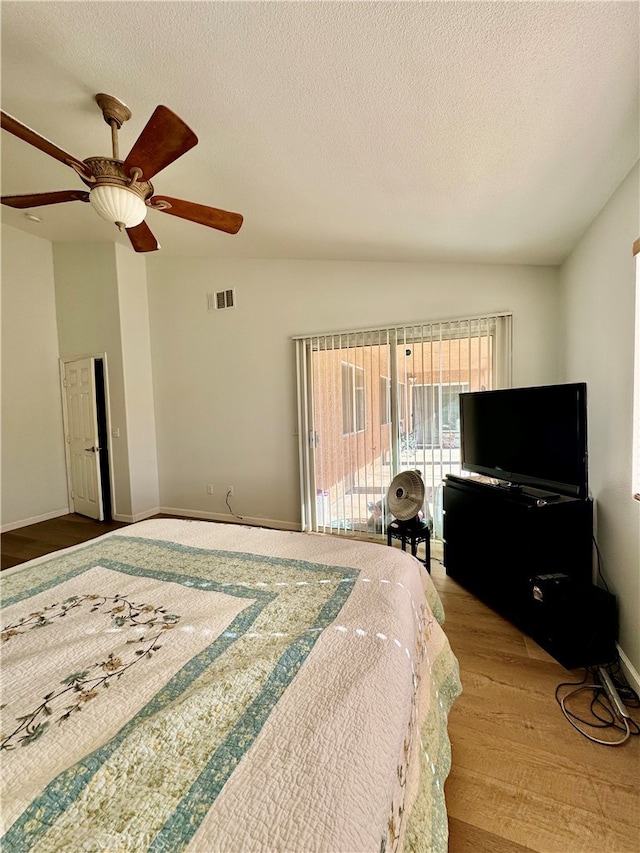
(353, 399)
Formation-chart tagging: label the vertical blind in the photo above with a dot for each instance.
(374, 402)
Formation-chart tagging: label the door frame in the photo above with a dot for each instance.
(108, 483)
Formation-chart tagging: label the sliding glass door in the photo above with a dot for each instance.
(372, 403)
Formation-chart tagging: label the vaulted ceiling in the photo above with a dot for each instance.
(400, 131)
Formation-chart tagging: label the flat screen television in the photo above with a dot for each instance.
(533, 437)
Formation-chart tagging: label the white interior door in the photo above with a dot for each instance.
(82, 438)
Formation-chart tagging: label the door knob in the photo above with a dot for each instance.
(93, 449)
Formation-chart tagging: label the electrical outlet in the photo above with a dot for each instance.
(229, 491)
(210, 489)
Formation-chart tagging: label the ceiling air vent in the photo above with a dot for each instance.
(221, 299)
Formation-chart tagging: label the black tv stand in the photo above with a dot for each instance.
(496, 538)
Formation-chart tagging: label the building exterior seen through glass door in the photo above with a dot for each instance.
(375, 403)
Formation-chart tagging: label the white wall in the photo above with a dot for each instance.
(89, 324)
(34, 481)
(138, 388)
(102, 308)
(224, 381)
(598, 298)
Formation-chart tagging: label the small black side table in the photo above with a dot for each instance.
(414, 532)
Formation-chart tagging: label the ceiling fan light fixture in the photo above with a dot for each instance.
(119, 205)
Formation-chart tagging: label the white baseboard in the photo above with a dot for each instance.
(139, 516)
(273, 523)
(630, 671)
(24, 522)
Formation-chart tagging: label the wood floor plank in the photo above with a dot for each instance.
(620, 803)
(511, 669)
(536, 770)
(465, 838)
(532, 820)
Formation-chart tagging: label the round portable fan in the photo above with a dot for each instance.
(406, 495)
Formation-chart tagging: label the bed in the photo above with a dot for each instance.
(188, 685)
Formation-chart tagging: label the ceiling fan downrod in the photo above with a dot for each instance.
(115, 113)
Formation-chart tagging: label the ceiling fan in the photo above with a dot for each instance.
(121, 191)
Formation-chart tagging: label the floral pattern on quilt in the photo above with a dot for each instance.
(82, 686)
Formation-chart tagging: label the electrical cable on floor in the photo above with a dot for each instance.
(602, 701)
(611, 694)
(230, 510)
(599, 562)
(627, 693)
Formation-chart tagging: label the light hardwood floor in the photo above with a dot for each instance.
(522, 779)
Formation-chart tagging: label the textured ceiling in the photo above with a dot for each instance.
(481, 131)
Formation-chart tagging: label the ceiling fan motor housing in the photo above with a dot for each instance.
(106, 180)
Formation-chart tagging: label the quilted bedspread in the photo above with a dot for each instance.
(185, 685)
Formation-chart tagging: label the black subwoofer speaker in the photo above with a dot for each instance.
(576, 623)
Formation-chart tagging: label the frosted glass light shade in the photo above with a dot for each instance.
(118, 205)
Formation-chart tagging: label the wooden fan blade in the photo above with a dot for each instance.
(27, 135)
(223, 220)
(142, 239)
(40, 199)
(165, 138)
